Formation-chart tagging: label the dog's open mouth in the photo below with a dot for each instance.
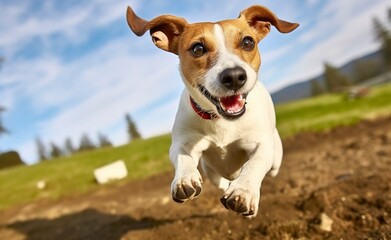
(230, 107)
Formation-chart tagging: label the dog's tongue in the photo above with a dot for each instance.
(232, 103)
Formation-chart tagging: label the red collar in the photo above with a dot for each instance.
(202, 113)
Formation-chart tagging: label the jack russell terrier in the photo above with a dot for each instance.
(225, 125)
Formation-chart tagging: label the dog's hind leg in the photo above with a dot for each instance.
(278, 152)
(214, 177)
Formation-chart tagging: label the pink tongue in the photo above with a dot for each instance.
(233, 103)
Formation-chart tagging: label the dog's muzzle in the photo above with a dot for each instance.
(229, 107)
(233, 78)
(233, 105)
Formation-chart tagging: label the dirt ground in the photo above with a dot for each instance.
(333, 185)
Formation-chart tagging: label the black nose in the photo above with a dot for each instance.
(233, 78)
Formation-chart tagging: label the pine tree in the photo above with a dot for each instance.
(104, 141)
(86, 143)
(55, 151)
(41, 149)
(3, 130)
(383, 35)
(316, 89)
(69, 148)
(335, 81)
(133, 132)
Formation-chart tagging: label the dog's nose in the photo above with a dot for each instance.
(233, 78)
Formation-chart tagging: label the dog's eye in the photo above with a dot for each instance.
(247, 43)
(198, 49)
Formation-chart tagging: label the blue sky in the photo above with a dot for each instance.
(74, 67)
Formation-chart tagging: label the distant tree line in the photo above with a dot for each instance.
(363, 70)
(52, 151)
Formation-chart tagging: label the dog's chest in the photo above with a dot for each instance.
(226, 160)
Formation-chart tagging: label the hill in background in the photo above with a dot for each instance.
(10, 159)
(302, 89)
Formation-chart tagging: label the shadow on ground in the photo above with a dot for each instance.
(87, 224)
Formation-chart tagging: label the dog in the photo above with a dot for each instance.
(225, 125)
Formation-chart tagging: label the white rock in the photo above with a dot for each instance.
(41, 184)
(165, 200)
(325, 222)
(113, 171)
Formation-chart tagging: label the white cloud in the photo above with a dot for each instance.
(272, 55)
(91, 93)
(21, 25)
(112, 88)
(312, 2)
(350, 38)
(165, 114)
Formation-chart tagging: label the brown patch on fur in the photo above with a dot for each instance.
(235, 31)
(165, 30)
(195, 68)
(260, 18)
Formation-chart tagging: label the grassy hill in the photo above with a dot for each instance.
(143, 158)
(75, 173)
(331, 110)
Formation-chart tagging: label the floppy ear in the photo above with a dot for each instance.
(165, 30)
(260, 18)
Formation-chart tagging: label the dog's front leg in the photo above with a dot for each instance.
(187, 180)
(243, 193)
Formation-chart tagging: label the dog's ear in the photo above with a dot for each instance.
(260, 18)
(165, 30)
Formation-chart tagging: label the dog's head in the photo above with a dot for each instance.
(219, 61)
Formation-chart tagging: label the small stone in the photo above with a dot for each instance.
(165, 200)
(109, 172)
(41, 184)
(325, 222)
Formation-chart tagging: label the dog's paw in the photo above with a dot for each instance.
(242, 201)
(274, 172)
(186, 188)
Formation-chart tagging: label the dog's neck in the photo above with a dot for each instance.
(207, 115)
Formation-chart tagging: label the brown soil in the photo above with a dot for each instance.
(343, 174)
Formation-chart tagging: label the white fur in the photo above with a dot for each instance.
(234, 154)
(226, 60)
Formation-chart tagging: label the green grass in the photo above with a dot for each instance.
(331, 110)
(70, 175)
(75, 174)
